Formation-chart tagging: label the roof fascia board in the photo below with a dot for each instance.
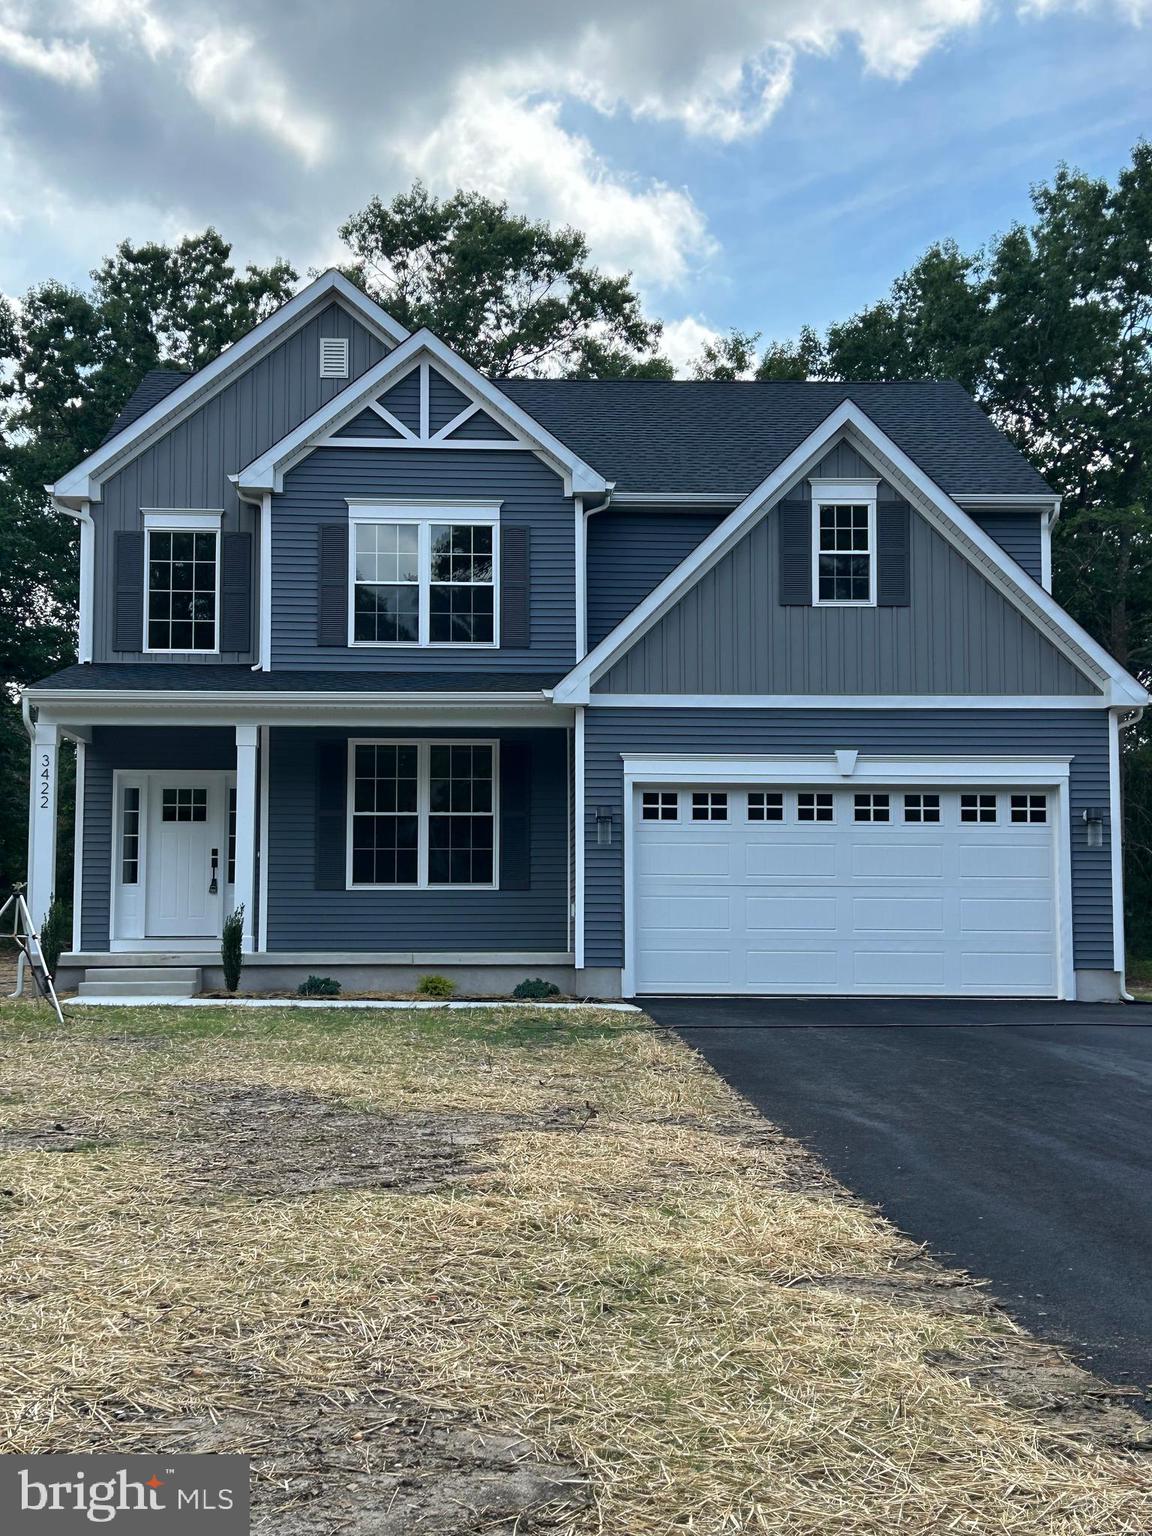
(85, 479)
(267, 472)
(949, 518)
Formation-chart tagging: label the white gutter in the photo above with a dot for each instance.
(269, 699)
(80, 511)
(582, 515)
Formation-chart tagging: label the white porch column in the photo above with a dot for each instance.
(246, 803)
(42, 820)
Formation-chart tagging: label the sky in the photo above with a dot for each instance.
(758, 164)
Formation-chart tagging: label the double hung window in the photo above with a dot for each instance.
(424, 578)
(422, 813)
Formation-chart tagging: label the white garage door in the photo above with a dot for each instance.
(887, 891)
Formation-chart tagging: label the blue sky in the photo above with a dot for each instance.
(756, 163)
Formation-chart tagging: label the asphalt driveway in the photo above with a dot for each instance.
(1015, 1139)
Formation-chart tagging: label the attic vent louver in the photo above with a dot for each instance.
(333, 357)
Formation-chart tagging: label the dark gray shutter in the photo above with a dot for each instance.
(515, 816)
(515, 588)
(236, 592)
(333, 581)
(128, 581)
(331, 792)
(796, 553)
(893, 554)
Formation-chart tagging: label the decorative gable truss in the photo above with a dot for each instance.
(421, 396)
(1117, 686)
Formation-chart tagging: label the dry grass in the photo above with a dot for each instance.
(662, 1292)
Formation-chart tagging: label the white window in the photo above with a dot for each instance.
(709, 805)
(921, 808)
(422, 813)
(424, 579)
(814, 807)
(980, 808)
(765, 805)
(659, 805)
(183, 588)
(130, 836)
(844, 543)
(869, 807)
(1030, 808)
(333, 357)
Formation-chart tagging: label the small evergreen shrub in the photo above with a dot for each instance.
(536, 987)
(231, 948)
(319, 986)
(436, 986)
(54, 934)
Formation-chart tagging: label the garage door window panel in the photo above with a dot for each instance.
(922, 808)
(815, 806)
(1030, 810)
(869, 807)
(978, 808)
(659, 805)
(765, 805)
(709, 805)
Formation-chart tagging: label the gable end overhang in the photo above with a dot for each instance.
(266, 474)
(81, 485)
(848, 420)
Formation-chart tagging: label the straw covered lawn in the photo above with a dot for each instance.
(465, 1272)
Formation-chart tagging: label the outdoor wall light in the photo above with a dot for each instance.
(603, 826)
(1094, 821)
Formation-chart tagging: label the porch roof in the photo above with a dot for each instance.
(216, 679)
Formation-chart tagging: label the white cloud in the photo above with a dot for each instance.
(232, 81)
(683, 341)
(67, 63)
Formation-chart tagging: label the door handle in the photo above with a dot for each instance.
(214, 884)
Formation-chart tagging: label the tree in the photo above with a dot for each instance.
(728, 357)
(512, 295)
(69, 359)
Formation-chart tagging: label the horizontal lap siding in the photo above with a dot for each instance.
(630, 553)
(1079, 734)
(189, 466)
(1018, 534)
(317, 490)
(730, 634)
(301, 917)
(112, 748)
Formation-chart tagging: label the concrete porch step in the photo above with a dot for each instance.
(141, 981)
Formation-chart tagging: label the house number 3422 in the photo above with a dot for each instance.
(45, 777)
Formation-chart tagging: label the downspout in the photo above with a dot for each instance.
(83, 516)
(1123, 723)
(263, 566)
(583, 514)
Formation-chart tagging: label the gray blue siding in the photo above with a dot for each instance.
(131, 747)
(630, 553)
(189, 466)
(301, 917)
(730, 634)
(317, 490)
(1018, 533)
(1080, 734)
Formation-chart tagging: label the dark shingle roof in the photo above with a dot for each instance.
(156, 385)
(213, 678)
(657, 435)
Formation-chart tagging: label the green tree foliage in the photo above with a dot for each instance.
(729, 357)
(512, 295)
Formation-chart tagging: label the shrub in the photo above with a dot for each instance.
(54, 934)
(536, 987)
(231, 948)
(319, 986)
(436, 986)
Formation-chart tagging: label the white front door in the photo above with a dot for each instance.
(187, 855)
(889, 891)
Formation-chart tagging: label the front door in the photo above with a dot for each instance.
(187, 855)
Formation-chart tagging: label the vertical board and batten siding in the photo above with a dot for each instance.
(1081, 735)
(729, 633)
(316, 494)
(189, 466)
(630, 553)
(112, 747)
(1019, 534)
(300, 917)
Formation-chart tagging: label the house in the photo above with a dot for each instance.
(641, 686)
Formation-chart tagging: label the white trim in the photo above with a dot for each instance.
(479, 444)
(78, 847)
(949, 518)
(422, 515)
(262, 850)
(83, 482)
(87, 582)
(1022, 499)
(841, 488)
(265, 583)
(1049, 773)
(247, 799)
(44, 802)
(416, 507)
(385, 415)
(266, 473)
(424, 402)
(846, 701)
(423, 810)
(581, 577)
(1046, 551)
(1116, 844)
(182, 519)
(855, 494)
(677, 501)
(183, 526)
(455, 424)
(580, 835)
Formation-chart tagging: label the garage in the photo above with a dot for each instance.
(888, 889)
